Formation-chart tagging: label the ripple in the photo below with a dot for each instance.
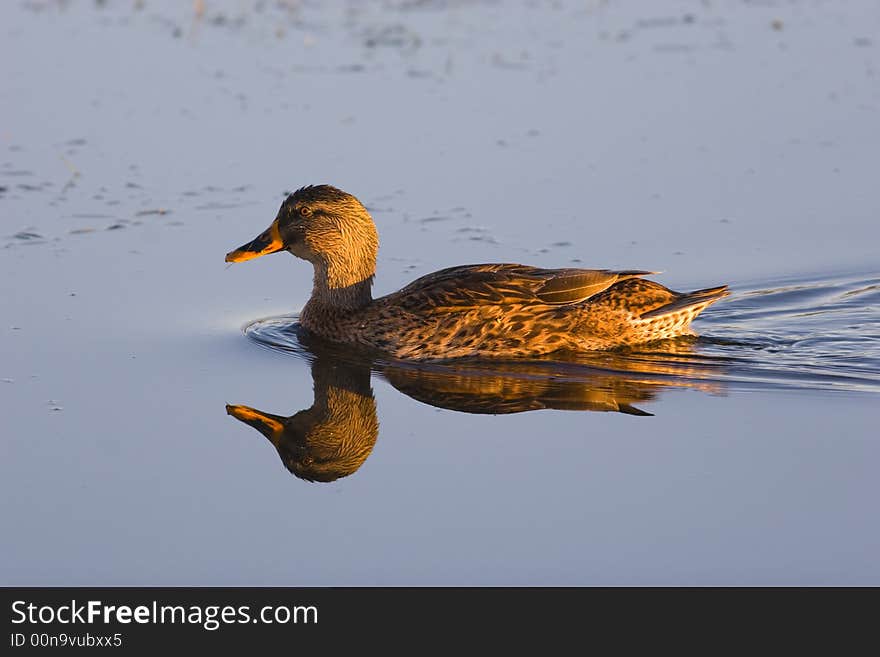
(821, 333)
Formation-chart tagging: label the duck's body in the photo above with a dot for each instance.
(486, 311)
(508, 310)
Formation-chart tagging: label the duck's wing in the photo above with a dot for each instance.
(576, 285)
(508, 284)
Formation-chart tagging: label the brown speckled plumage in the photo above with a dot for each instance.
(331, 439)
(488, 310)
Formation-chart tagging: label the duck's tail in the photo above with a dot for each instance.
(694, 302)
(673, 318)
(637, 310)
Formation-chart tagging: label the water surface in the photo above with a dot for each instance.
(719, 144)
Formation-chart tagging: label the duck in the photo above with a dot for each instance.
(484, 311)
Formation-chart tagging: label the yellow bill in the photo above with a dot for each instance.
(269, 241)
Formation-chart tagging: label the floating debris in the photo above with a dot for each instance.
(74, 174)
(159, 211)
(392, 36)
(513, 62)
(82, 231)
(27, 235)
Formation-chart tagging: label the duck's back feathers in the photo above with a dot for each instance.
(518, 310)
(469, 286)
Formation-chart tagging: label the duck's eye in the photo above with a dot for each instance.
(305, 211)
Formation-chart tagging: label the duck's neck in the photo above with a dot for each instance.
(336, 289)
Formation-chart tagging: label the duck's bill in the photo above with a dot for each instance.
(271, 426)
(269, 241)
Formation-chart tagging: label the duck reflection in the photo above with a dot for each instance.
(334, 437)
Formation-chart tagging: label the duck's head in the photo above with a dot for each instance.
(326, 226)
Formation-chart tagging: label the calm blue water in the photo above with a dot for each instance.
(140, 142)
